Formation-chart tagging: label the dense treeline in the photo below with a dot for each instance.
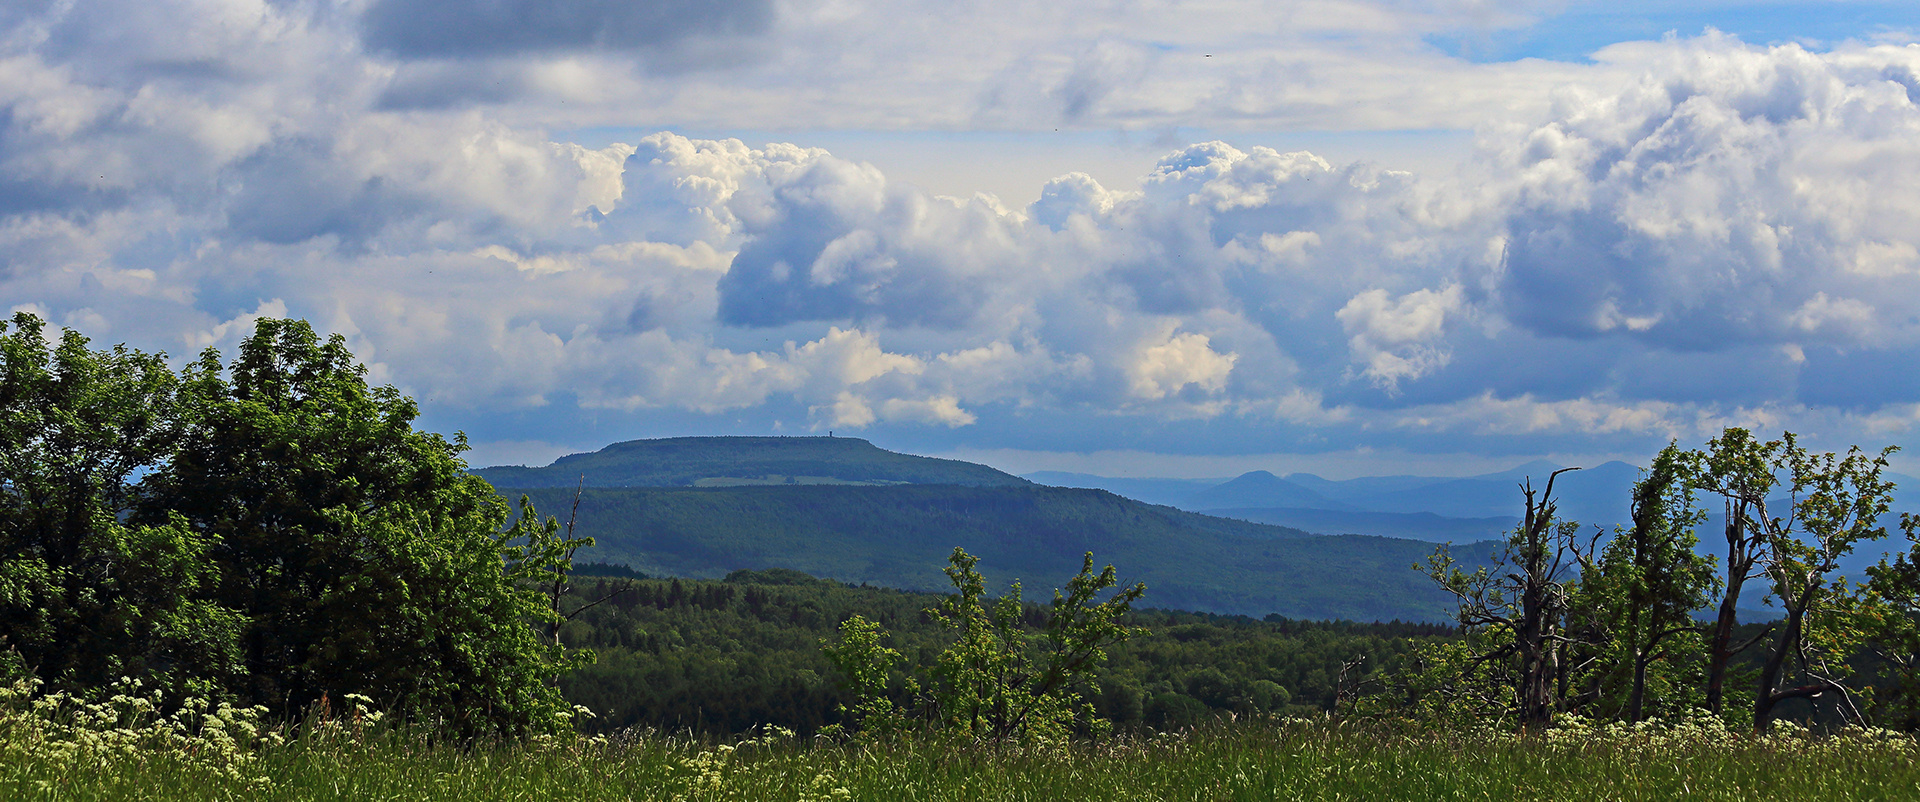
(268, 531)
(723, 656)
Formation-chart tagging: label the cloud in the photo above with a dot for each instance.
(1718, 200)
(469, 28)
(1687, 233)
(1173, 362)
(1396, 339)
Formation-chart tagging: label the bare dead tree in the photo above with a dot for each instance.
(1342, 689)
(1521, 601)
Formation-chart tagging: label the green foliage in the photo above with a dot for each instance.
(1619, 640)
(868, 666)
(1832, 502)
(84, 596)
(293, 536)
(901, 537)
(1634, 608)
(1515, 610)
(998, 680)
(1888, 617)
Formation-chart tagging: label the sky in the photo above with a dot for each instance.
(1127, 237)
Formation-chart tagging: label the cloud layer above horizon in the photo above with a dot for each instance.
(1676, 236)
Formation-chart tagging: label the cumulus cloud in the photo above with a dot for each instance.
(1686, 233)
(1173, 362)
(1396, 339)
(1733, 194)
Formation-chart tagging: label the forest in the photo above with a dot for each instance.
(254, 577)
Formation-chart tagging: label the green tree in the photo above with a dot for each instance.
(362, 555)
(1889, 609)
(84, 597)
(1831, 502)
(999, 678)
(869, 665)
(1637, 600)
(1739, 469)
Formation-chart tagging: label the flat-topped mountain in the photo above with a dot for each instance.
(748, 461)
(839, 507)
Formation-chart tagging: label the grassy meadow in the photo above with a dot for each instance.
(1270, 759)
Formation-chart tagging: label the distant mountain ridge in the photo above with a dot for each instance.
(1414, 525)
(845, 509)
(747, 461)
(1166, 492)
(1260, 489)
(1419, 507)
(899, 536)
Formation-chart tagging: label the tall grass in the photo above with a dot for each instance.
(1262, 760)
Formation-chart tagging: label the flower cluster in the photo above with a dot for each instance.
(1701, 729)
(133, 725)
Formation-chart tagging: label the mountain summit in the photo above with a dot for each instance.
(747, 461)
(1259, 489)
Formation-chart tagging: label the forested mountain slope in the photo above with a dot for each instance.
(900, 536)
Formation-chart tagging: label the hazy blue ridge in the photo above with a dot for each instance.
(1412, 525)
(1170, 492)
(1596, 495)
(1599, 494)
(1259, 489)
(900, 536)
(691, 461)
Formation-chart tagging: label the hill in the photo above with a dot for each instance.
(747, 461)
(900, 537)
(1259, 489)
(1414, 525)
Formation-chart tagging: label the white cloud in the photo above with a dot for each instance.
(1168, 364)
(1716, 198)
(1399, 339)
(171, 171)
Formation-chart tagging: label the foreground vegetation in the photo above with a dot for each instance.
(255, 579)
(346, 758)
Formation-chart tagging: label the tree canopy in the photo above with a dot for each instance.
(271, 529)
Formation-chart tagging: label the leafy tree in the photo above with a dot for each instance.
(1890, 612)
(363, 557)
(999, 679)
(868, 666)
(84, 597)
(996, 681)
(1739, 469)
(1637, 600)
(1832, 502)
